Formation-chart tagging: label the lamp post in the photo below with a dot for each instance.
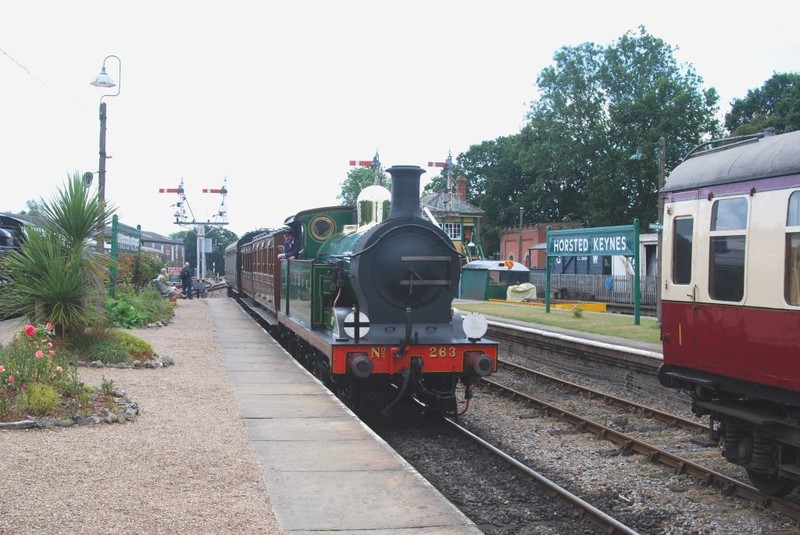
(662, 147)
(519, 256)
(104, 80)
(658, 227)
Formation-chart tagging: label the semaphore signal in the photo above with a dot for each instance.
(375, 163)
(182, 205)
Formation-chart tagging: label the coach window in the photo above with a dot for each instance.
(727, 249)
(792, 270)
(682, 251)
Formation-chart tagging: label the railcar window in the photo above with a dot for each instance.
(729, 214)
(727, 248)
(793, 216)
(791, 286)
(726, 272)
(682, 251)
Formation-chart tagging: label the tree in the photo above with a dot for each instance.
(775, 104)
(33, 207)
(497, 184)
(357, 179)
(220, 238)
(597, 106)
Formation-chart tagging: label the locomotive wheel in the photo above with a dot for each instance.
(772, 485)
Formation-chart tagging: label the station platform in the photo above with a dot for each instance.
(325, 471)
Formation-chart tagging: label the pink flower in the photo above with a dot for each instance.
(2, 369)
(50, 345)
(48, 326)
(39, 354)
(24, 388)
(59, 369)
(52, 352)
(10, 379)
(44, 341)
(30, 330)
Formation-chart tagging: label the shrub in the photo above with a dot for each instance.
(125, 314)
(577, 311)
(34, 356)
(40, 399)
(136, 347)
(138, 308)
(109, 352)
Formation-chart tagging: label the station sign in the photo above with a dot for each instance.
(621, 240)
(599, 241)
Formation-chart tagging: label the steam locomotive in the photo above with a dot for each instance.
(730, 288)
(366, 305)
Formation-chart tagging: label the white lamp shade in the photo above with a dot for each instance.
(103, 80)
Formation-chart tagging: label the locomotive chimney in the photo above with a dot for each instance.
(405, 191)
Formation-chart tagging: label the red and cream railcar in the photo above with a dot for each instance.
(730, 284)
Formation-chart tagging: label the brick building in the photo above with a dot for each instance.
(533, 246)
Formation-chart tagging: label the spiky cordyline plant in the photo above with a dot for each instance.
(55, 275)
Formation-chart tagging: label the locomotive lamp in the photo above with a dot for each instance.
(106, 81)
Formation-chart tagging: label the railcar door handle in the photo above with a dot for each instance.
(694, 291)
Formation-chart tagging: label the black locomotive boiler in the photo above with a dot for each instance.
(367, 304)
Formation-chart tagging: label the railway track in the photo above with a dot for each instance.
(663, 416)
(604, 362)
(586, 510)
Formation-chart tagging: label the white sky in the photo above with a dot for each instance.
(279, 96)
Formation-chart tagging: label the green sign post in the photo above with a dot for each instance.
(123, 238)
(601, 241)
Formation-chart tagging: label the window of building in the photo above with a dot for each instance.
(453, 230)
(727, 249)
(791, 286)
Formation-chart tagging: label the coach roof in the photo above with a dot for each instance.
(750, 159)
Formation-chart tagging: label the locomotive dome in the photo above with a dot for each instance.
(373, 205)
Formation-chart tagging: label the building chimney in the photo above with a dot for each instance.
(461, 188)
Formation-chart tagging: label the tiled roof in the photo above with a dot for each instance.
(442, 202)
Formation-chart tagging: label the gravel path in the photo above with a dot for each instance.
(184, 466)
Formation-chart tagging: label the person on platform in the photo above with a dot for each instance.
(166, 288)
(186, 280)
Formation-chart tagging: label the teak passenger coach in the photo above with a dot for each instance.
(730, 288)
(367, 305)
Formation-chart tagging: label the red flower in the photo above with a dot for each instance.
(30, 330)
(10, 379)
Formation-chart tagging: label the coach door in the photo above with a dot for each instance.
(679, 289)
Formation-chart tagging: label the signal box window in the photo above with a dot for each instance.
(682, 253)
(453, 230)
(792, 270)
(727, 249)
